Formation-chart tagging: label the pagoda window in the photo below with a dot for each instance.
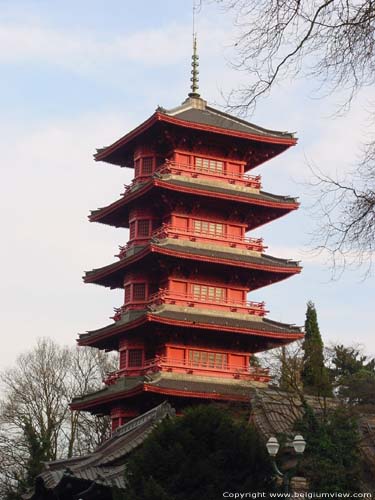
(135, 358)
(205, 227)
(211, 166)
(132, 230)
(127, 293)
(137, 167)
(147, 165)
(122, 359)
(210, 359)
(143, 227)
(211, 293)
(139, 291)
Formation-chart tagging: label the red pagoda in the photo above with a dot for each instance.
(186, 331)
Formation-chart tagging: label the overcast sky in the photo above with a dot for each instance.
(78, 75)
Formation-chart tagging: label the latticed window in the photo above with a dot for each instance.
(210, 359)
(205, 227)
(209, 293)
(139, 291)
(122, 359)
(147, 165)
(143, 227)
(137, 169)
(127, 294)
(211, 166)
(132, 230)
(135, 357)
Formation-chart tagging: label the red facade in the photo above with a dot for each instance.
(186, 329)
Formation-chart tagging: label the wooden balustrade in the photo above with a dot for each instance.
(168, 231)
(162, 363)
(174, 168)
(165, 296)
(245, 180)
(189, 300)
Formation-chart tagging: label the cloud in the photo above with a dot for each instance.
(86, 51)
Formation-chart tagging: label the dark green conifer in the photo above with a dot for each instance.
(314, 374)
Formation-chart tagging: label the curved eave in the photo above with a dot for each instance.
(271, 139)
(288, 336)
(252, 200)
(98, 274)
(105, 399)
(105, 154)
(102, 276)
(99, 337)
(99, 214)
(104, 214)
(144, 387)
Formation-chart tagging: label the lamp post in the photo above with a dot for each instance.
(299, 445)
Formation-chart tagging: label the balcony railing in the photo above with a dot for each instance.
(245, 180)
(168, 231)
(161, 363)
(188, 300)
(174, 168)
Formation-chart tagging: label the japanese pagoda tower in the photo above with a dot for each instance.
(186, 331)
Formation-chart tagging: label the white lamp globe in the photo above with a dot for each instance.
(272, 446)
(299, 444)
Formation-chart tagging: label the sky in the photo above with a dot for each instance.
(75, 76)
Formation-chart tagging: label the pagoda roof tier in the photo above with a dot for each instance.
(165, 384)
(256, 207)
(196, 118)
(265, 268)
(256, 333)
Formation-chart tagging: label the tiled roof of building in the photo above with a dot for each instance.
(157, 382)
(222, 252)
(123, 384)
(194, 114)
(205, 387)
(275, 412)
(206, 115)
(225, 189)
(119, 208)
(112, 274)
(105, 466)
(260, 324)
(199, 319)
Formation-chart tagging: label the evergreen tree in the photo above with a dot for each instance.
(199, 455)
(331, 462)
(314, 374)
(353, 375)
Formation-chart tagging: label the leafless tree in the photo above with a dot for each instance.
(285, 365)
(331, 42)
(35, 419)
(345, 209)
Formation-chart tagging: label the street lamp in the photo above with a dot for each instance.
(299, 445)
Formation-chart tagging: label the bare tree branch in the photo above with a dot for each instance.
(36, 396)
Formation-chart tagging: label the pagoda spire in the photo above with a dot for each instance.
(194, 62)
